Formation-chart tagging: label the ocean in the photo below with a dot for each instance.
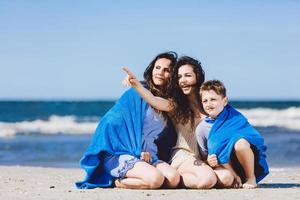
(57, 133)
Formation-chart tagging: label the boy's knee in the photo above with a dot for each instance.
(241, 145)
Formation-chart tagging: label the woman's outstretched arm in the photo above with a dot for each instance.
(158, 103)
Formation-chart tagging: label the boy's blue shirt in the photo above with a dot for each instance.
(227, 129)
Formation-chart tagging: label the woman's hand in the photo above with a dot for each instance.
(156, 102)
(146, 156)
(130, 79)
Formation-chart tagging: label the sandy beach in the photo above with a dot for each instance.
(19, 182)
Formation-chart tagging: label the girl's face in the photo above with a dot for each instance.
(213, 103)
(161, 72)
(186, 79)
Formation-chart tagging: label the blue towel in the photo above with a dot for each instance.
(229, 127)
(119, 132)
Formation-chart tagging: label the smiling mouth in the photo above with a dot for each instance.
(185, 87)
(159, 78)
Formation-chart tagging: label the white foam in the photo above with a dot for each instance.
(287, 118)
(54, 125)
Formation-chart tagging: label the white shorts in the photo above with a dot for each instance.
(179, 156)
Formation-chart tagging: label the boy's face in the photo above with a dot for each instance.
(213, 103)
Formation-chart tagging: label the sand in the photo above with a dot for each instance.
(20, 182)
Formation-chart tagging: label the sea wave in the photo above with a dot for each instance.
(263, 117)
(54, 125)
(260, 117)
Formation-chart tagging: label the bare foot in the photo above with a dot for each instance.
(250, 184)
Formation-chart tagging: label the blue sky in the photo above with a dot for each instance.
(75, 49)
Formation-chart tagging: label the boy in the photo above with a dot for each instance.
(227, 139)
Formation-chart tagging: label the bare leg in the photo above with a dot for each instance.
(197, 175)
(141, 176)
(225, 177)
(172, 177)
(237, 182)
(245, 156)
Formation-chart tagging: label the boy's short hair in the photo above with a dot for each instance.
(214, 85)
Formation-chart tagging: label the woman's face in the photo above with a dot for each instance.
(161, 72)
(186, 79)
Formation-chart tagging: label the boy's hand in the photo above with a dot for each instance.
(146, 156)
(212, 160)
(130, 79)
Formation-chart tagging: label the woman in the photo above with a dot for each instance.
(123, 147)
(186, 111)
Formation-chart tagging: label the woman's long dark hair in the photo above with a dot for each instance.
(165, 90)
(183, 112)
